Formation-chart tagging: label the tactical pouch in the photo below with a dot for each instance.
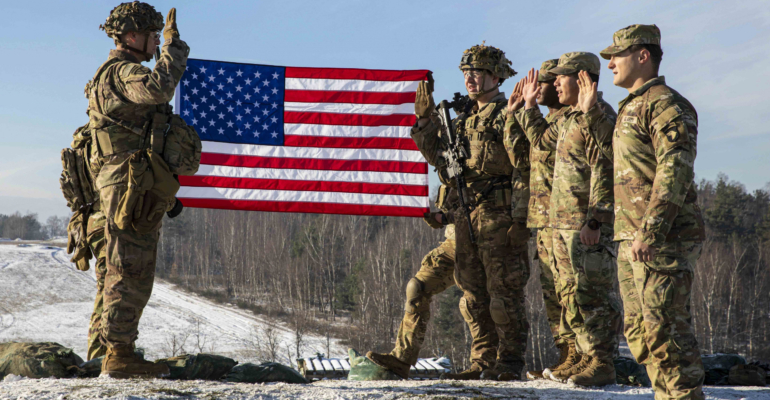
(77, 242)
(75, 179)
(487, 154)
(182, 146)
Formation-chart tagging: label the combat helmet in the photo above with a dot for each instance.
(135, 16)
(487, 58)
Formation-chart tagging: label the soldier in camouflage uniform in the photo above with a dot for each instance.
(124, 99)
(581, 212)
(540, 183)
(95, 239)
(491, 272)
(436, 275)
(657, 219)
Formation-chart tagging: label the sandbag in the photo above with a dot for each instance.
(747, 375)
(363, 369)
(200, 366)
(718, 366)
(265, 372)
(38, 360)
(629, 372)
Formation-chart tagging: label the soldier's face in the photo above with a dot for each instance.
(548, 95)
(626, 68)
(567, 89)
(475, 78)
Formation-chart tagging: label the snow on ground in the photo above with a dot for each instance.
(43, 297)
(100, 388)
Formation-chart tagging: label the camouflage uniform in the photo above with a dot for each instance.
(123, 98)
(490, 272)
(654, 147)
(96, 222)
(582, 190)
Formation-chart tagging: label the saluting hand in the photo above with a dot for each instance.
(531, 89)
(516, 101)
(589, 91)
(423, 101)
(171, 31)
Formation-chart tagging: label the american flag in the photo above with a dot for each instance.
(310, 140)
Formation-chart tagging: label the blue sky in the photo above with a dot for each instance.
(717, 54)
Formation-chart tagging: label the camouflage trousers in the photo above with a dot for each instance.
(590, 304)
(492, 274)
(436, 274)
(658, 324)
(130, 274)
(96, 223)
(548, 279)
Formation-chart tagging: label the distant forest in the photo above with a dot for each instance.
(345, 276)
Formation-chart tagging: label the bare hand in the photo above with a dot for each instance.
(171, 31)
(516, 101)
(642, 252)
(589, 93)
(588, 236)
(423, 102)
(531, 89)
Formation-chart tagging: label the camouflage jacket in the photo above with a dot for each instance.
(123, 98)
(517, 146)
(582, 179)
(481, 133)
(654, 147)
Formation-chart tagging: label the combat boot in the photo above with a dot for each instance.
(571, 359)
(390, 363)
(503, 371)
(563, 353)
(471, 374)
(123, 363)
(563, 374)
(597, 373)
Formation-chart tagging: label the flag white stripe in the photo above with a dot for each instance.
(312, 152)
(396, 178)
(347, 131)
(301, 196)
(354, 85)
(349, 108)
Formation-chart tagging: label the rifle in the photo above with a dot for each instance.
(455, 155)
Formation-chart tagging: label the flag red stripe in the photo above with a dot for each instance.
(332, 96)
(316, 164)
(308, 186)
(355, 73)
(350, 142)
(297, 117)
(305, 207)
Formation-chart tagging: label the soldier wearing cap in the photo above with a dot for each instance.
(491, 272)
(124, 99)
(581, 213)
(540, 183)
(657, 219)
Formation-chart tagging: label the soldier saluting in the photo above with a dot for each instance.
(489, 270)
(133, 130)
(657, 219)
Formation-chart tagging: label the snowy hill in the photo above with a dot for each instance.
(44, 298)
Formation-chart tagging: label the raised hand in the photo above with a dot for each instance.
(531, 89)
(589, 91)
(423, 102)
(516, 101)
(171, 30)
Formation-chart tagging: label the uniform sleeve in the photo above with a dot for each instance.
(516, 143)
(540, 133)
(597, 122)
(141, 85)
(428, 141)
(674, 133)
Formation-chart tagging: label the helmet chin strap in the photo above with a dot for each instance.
(483, 91)
(147, 56)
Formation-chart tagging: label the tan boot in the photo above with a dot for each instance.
(122, 363)
(563, 374)
(572, 358)
(597, 373)
(503, 372)
(390, 363)
(471, 374)
(563, 353)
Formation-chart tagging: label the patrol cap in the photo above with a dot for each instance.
(545, 75)
(631, 35)
(569, 63)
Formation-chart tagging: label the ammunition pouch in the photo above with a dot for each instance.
(178, 142)
(75, 180)
(487, 153)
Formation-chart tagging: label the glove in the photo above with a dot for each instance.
(423, 102)
(430, 219)
(171, 31)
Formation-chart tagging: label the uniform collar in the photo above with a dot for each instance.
(660, 80)
(123, 55)
(498, 98)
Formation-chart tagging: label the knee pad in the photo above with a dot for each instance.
(497, 310)
(415, 291)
